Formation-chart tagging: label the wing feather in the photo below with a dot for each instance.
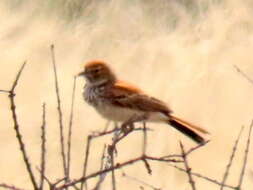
(126, 95)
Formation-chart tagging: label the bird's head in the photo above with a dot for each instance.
(97, 73)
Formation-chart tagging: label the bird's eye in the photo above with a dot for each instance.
(96, 70)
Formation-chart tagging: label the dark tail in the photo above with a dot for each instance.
(188, 129)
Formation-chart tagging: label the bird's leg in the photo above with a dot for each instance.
(128, 125)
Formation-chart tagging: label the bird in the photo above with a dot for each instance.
(120, 101)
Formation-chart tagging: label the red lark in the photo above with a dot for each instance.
(119, 101)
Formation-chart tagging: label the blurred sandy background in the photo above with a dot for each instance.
(181, 51)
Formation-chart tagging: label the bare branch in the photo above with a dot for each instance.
(63, 155)
(87, 153)
(188, 169)
(111, 154)
(43, 147)
(101, 177)
(144, 148)
(246, 152)
(230, 160)
(5, 91)
(11, 187)
(84, 178)
(17, 128)
(243, 74)
(140, 181)
(70, 129)
(147, 166)
(214, 181)
(15, 83)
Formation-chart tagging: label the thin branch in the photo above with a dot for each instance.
(246, 152)
(188, 169)
(140, 181)
(17, 130)
(243, 74)
(196, 147)
(5, 91)
(63, 155)
(214, 181)
(11, 187)
(144, 148)
(85, 178)
(162, 159)
(87, 153)
(115, 167)
(104, 133)
(187, 152)
(43, 147)
(230, 160)
(70, 129)
(147, 166)
(101, 177)
(15, 83)
(111, 154)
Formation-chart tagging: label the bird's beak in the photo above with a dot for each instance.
(81, 74)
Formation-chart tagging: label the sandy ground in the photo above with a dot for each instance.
(190, 66)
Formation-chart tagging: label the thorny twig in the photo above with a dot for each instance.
(116, 167)
(62, 141)
(43, 147)
(214, 181)
(70, 129)
(17, 128)
(98, 173)
(187, 152)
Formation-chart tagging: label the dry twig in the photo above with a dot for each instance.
(230, 160)
(246, 153)
(214, 181)
(43, 147)
(243, 74)
(140, 181)
(70, 129)
(87, 153)
(17, 128)
(11, 187)
(188, 169)
(63, 155)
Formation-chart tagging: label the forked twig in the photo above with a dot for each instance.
(17, 128)
(62, 141)
(187, 168)
(214, 181)
(85, 178)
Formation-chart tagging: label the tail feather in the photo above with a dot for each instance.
(188, 129)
